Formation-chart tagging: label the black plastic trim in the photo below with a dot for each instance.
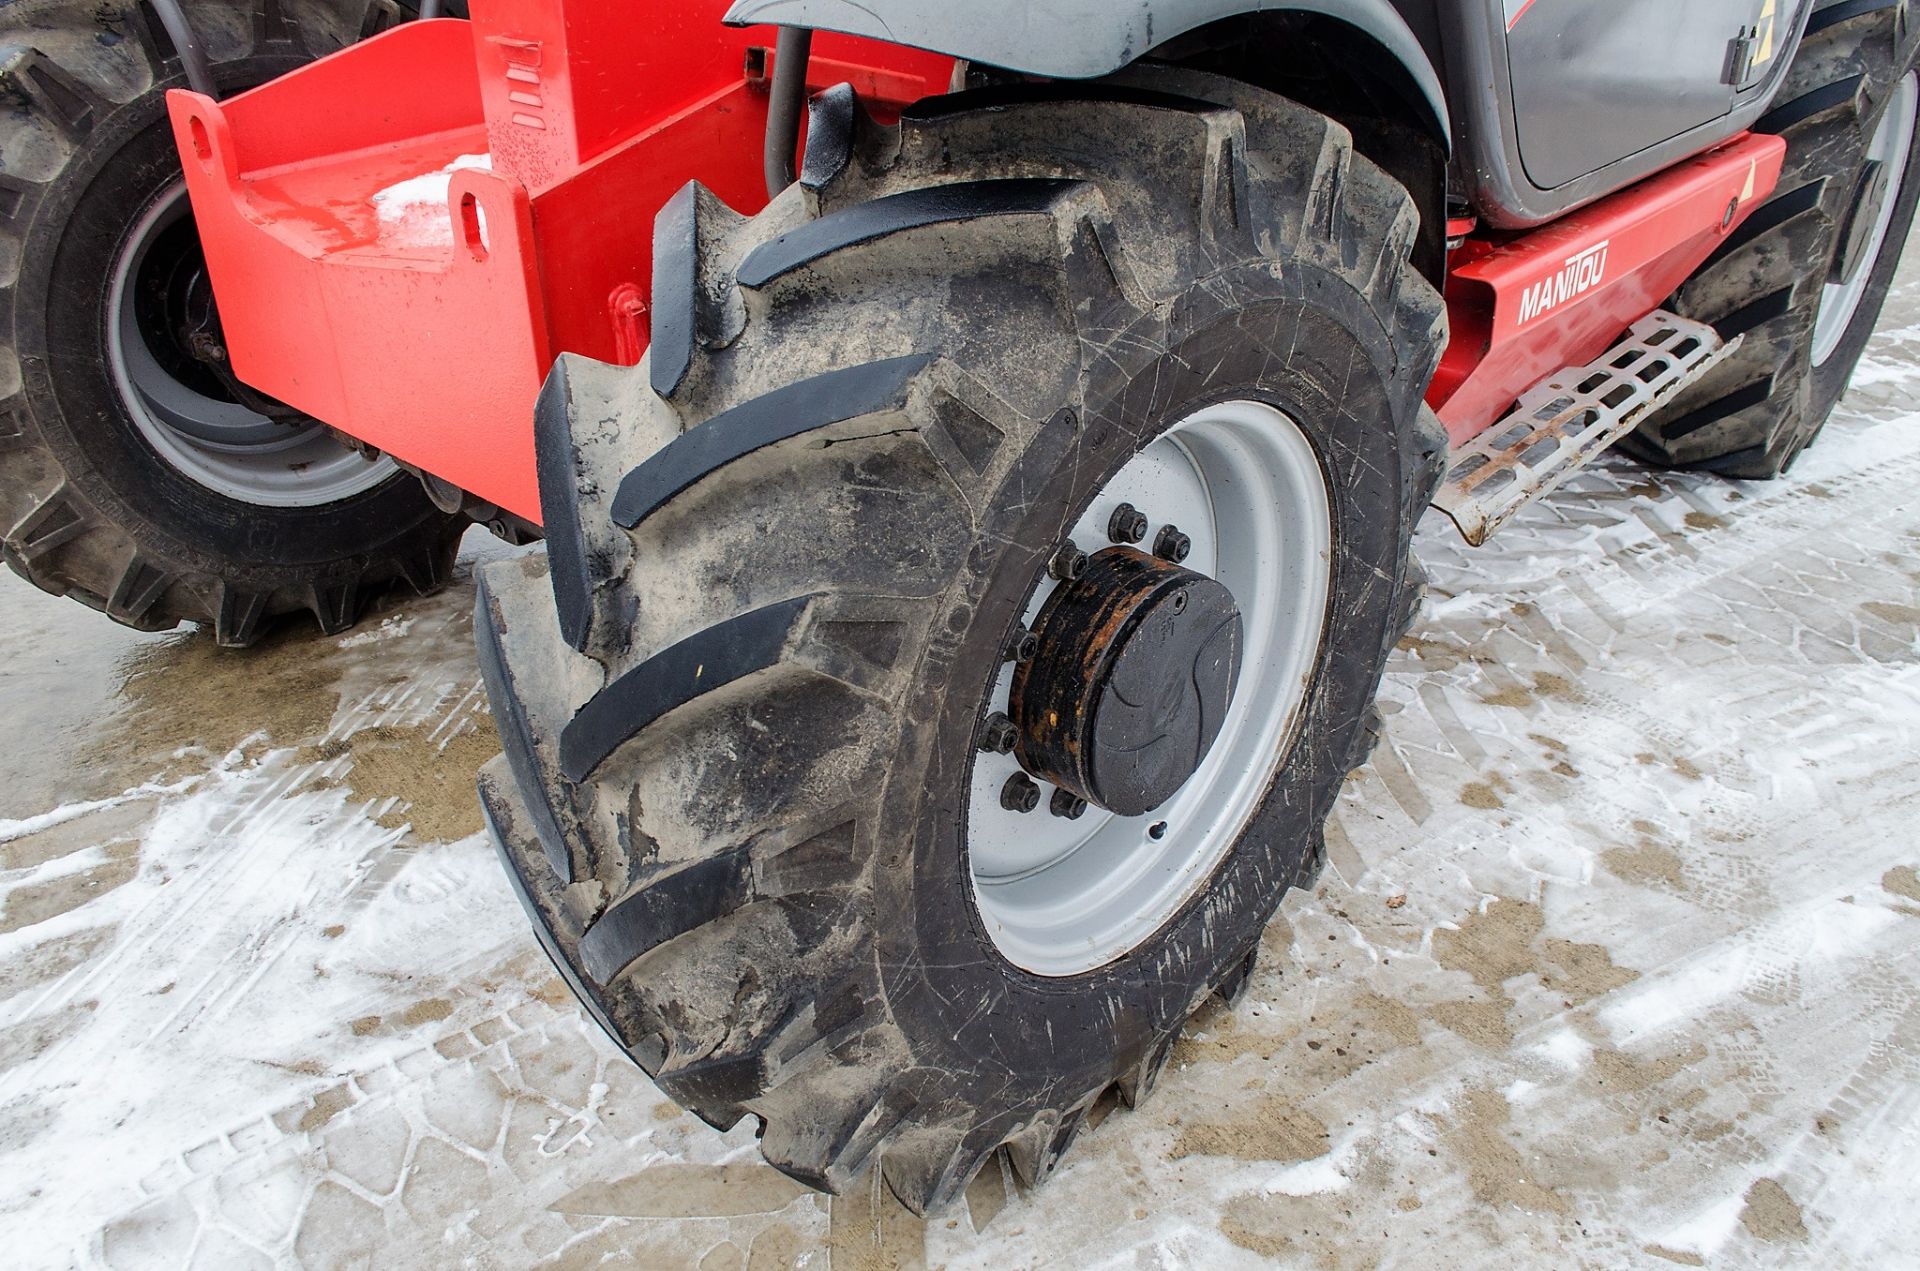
(516, 735)
(935, 205)
(676, 263)
(1733, 403)
(1839, 13)
(830, 118)
(1807, 105)
(1024, 93)
(490, 812)
(1771, 216)
(664, 908)
(1750, 315)
(785, 412)
(673, 677)
(560, 507)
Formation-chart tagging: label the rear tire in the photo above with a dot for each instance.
(1754, 413)
(103, 496)
(741, 690)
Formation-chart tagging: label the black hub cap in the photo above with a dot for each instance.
(1136, 666)
(1862, 218)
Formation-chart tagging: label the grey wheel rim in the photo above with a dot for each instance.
(201, 431)
(1061, 897)
(1891, 145)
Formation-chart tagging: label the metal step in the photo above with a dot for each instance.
(1571, 416)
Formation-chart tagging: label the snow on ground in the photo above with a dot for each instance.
(1617, 963)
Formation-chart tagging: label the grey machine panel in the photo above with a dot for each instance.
(1075, 39)
(1539, 133)
(1611, 91)
(1594, 82)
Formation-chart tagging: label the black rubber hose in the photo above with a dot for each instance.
(193, 54)
(429, 8)
(787, 99)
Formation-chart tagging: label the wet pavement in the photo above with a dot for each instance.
(1617, 961)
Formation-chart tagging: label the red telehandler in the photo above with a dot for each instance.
(974, 448)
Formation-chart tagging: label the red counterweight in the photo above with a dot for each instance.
(403, 236)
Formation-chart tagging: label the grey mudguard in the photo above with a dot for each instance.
(1076, 39)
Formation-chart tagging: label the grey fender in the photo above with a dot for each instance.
(1077, 39)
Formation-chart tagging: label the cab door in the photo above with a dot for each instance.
(1597, 80)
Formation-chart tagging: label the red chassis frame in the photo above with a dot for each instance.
(593, 113)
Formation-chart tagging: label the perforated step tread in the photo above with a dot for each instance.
(1564, 421)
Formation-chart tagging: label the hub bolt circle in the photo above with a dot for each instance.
(997, 734)
(1065, 803)
(1020, 794)
(1128, 524)
(1137, 666)
(1171, 545)
(1068, 563)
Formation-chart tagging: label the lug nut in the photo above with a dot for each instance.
(1020, 794)
(1068, 563)
(1171, 544)
(1128, 524)
(1066, 804)
(997, 734)
(1022, 646)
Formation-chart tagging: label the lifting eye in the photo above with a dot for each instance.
(202, 144)
(473, 226)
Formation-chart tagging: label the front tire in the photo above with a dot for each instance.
(742, 692)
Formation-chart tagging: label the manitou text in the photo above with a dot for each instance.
(1581, 274)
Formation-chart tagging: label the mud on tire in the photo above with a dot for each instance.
(738, 688)
(1754, 413)
(89, 508)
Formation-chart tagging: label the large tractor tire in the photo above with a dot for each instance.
(1805, 277)
(951, 638)
(136, 475)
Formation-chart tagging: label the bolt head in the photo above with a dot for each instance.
(1128, 524)
(1068, 563)
(1067, 804)
(1022, 646)
(997, 734)
(1171, 544)
(1020, 794)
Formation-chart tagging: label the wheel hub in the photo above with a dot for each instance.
(1137, 663)
(1228, 506)
(1869, 197)
(169, 362)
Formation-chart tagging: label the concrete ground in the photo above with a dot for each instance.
(1617, 963)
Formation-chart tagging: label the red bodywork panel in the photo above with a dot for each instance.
(432, 345)
(594, 113)
(1527, 306)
